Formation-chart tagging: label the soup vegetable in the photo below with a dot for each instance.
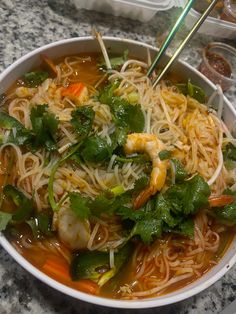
(111, 186)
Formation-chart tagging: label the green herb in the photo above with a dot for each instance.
(179, 172)
(164, 154)
(94, 265)
(168, 212)
(106, 202)
(60, 162)
(41, 224)
(116, 61)
(82, 120)
(95, 149)
(193, 91)
(127, 117)
(227, 214)
(24, 206)
(79, 205)
(139, 159)
(140, 184)
(45, 126)
(229, 154)
(19, 135)
(5, 218)
(34, 79)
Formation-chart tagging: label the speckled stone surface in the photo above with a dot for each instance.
(26, 25)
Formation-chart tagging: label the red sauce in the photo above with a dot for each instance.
(220, 65)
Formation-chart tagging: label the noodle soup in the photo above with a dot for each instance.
(110, 186)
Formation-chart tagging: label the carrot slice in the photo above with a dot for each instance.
(73, 90)
(219, 201)
(59, 270)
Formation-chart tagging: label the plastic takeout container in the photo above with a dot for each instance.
(142, 10)
(212, 26)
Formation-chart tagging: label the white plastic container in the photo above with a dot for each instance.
(142, 10)
(212, 26)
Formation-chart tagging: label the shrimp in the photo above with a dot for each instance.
(73, 231)
(149, 143)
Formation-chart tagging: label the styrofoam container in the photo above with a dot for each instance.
(212, 26)
(137, 50)
(136, 10)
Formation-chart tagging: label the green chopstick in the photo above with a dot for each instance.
(184, 42)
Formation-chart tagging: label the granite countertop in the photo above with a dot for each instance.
(26, 25)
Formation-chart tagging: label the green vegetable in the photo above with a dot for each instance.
(5, 218)
(40, 224)
(139, 159)
(140, 184)
(193, 91)
(229, 192)
(106, 202)
(179, 171)
(95, 149)
(227, 214)
(19, 135)
(45, 126)
(229, 155)
(24, 206)
(164, 154)
(82, 120)
(168, 212)
(190, 196)
(60, 162)
(94, 265)
(8, 122)
(127, 117)
(34, 79)
(79, 205)
(116, 61)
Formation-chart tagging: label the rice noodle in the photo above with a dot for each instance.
(188, 130)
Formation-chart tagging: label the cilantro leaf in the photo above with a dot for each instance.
(95, 149)
(24, 206)
(5, 218)
(148, 228)
(19, 135)
(227, 214)
(79, 205)
(179, 171)
(34, 79)
(82, 120)
(45, 126)
(127, 115)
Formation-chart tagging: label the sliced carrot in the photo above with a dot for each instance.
(49, 63)
(59, 270)
(73, 90)
(219, 201)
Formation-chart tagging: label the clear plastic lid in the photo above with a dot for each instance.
(155, 4)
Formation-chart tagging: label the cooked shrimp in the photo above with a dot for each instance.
(73, 231)
(150, 144)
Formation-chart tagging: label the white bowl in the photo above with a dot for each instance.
(138, 50)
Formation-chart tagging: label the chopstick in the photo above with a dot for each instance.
(184, 42)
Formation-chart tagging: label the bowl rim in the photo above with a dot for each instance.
(125, 304)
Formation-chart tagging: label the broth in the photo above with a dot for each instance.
(168, 257)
